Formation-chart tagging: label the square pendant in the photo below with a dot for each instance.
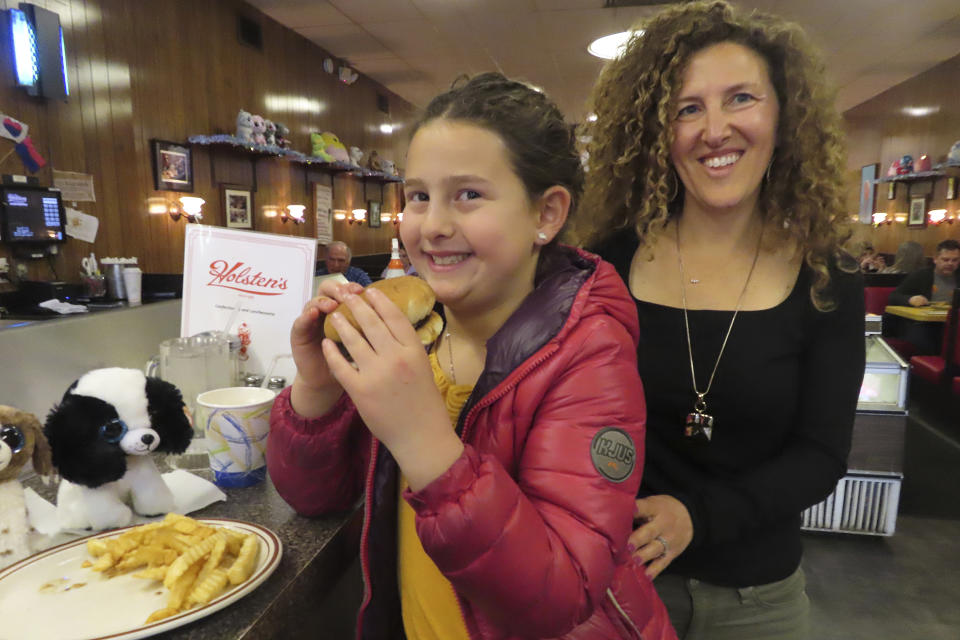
(698, 425)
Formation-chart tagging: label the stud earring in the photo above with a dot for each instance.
(541, 236)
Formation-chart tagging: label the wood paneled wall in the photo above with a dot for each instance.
(166, 70)
(880, 131)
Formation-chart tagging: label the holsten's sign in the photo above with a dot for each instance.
(251, 284)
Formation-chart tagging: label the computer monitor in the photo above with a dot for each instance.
(31, 215)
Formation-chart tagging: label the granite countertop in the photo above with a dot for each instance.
(316, 552)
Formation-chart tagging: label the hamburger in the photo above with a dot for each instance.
(415, 299)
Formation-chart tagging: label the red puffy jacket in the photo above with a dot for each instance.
(530, 533)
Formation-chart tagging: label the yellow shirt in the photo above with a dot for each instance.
(427, 600)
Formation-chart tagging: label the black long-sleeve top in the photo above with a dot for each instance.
(783, 400)
(918, 283)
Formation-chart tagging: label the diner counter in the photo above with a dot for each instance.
(316, 553)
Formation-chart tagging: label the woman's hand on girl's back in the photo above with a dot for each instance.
(315, 390)
(664, 534)
(392, 387)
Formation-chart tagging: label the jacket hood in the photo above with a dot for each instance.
(572, 284)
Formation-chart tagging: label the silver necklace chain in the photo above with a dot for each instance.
(701, 404)
(453, 373)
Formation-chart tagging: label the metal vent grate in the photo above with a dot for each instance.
(860, 504)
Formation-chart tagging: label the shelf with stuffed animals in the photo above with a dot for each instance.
(904, 169)
(257, 136)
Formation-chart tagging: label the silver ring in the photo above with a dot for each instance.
(666, 547)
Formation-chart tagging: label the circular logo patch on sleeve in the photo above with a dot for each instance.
(613, 454)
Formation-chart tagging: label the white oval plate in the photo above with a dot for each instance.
(49, 596)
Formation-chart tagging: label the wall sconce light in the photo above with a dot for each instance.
(386, 216)
(359, 215)
(294, 213)
(190, 206)
(879, 218)
(899, 218)
(937, 216)
(397, 218)
(339, 214)
(270, 210)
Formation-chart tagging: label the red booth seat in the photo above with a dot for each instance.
(956, 386)
(875, 299)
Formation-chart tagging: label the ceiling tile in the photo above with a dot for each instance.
(301, 13)
(372, 11)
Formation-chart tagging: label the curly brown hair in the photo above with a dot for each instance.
(631, 180)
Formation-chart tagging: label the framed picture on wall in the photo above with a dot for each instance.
(373, 214)
(868, 192)
(237, 206)
(951, 188)
(918, 212)
(172, 166)
(891, 191)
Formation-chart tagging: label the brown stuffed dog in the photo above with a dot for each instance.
(21, 439)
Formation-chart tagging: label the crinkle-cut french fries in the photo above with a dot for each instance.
(194, 561)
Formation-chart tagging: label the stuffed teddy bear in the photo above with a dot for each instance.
(270, 132)
(356, 156)
(283, 133)
(333, 147)
(388, 166)
(259, 129)
(21, 440)
(245, 126)
(101, 436)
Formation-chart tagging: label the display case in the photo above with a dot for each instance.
(866, 499)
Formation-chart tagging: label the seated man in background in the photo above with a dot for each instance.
(931, 284)
(338, 261)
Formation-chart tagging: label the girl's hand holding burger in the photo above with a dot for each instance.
(392, 385)
(315, 390)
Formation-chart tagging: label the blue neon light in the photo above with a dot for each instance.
(63, 61)
(24, 49)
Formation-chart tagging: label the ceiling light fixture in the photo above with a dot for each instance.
(919, 112)
(612, 46)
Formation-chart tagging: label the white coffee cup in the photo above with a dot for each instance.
(132, 278)
(236, 422)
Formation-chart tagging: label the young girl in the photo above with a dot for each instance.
(500, 468)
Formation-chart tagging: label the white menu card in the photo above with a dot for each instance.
(249, 284)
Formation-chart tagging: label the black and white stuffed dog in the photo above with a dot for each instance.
(101, 436)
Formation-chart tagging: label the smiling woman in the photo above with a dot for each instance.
(715, 188)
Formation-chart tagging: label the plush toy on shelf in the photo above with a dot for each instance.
(21, 441)
(373, 161)
(388, 166)
(318, 147)
(953, 156)
(356, 156)
(283, 136)
(102, 435)
(245, 126)
(259, 129)
(332, 147)
(270, 132)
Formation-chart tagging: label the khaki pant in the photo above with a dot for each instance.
(701, 611)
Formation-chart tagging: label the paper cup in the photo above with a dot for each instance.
(236, 421)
